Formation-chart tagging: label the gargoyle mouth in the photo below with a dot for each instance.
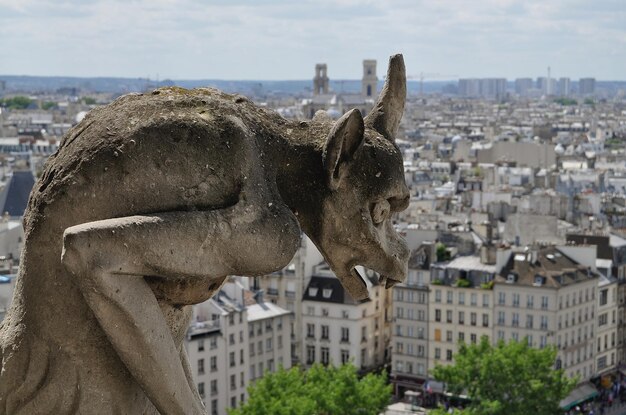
(359, 292)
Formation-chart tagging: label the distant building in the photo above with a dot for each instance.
(369, 82)
(482, 88)
(564, 87)
(409, 339)
(320, 82)
(547, 298)
(586, 86)
(523, 86)
(460, 306)
(337, 329)
(232, 341)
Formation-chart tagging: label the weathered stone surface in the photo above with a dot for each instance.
(150, 203)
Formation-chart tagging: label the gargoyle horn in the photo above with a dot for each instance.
(387, 113)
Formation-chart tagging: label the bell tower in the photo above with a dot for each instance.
(369, 82)
(320, 82)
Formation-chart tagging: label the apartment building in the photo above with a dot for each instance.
(219, 345)
(460, 306)
(337, 329)
(606, 337)
(409, 339)
(546, 297)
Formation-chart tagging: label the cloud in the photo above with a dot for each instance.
(274, 39)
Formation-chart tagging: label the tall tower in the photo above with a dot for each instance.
(320, 82)
(369, 82)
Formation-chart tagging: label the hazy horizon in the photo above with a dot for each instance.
(272, 40)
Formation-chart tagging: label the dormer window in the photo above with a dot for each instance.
(511, 278)
(538, 282)
(327, 292)
(312, 291)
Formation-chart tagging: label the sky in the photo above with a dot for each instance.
(283, 40)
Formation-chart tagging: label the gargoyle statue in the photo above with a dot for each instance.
(150, 203)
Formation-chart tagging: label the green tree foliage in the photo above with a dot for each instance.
(88, 100)
(320, 390)
(47, 105)
(566, 101)
(506, 379)
(16, 103)
(442, 252)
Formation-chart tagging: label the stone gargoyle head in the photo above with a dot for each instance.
(364, 174)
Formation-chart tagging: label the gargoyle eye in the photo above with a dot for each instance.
(380, 211)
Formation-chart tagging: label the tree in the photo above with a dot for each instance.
(319, 390)
(506, 379)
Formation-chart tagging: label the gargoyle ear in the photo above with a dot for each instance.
(387, 113)
(343, 141)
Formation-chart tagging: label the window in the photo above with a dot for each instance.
(437, 353)
(473, 299)
(213, 343)
(201, 389)
(213, 387)
(449, 335)
(449, 297)
(231, 358)
(473, 319)
(399, 312)
(449, 316)
(310, 331)
(485, 300)
(233, 382)
(420, 332)
(364, 333)
(268, 344)
(461, 336)
(449, 355)
(604, 296)
(231, 339)
(325, 354)
(515, 321)
(310, 355)
(461, 298)
(251, 348)
(233, 402)
(345, 314)
(501, 318)
(325, 312)
(544, 302)
(437, 335)
(461, 317)
(501, 298)
(529, 321)
(252, 372)
(515, 300)
(345, 356)
(201, 346)
(214, 407)
(544, 322)
(213, 363)
(270, 367)
(437, 315)
(324, 332)
(200, 366)
(437, 296)
(485, 320)
(603, 319)
(280, 342)
(473, 338)
(345, 335)
(420, 350)
(530, 301)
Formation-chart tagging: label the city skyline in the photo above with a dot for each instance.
(275, 40)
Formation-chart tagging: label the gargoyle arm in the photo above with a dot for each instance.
(110, 258)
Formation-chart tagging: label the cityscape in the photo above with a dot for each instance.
(516, 226)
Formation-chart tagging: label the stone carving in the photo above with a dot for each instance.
(150, 203)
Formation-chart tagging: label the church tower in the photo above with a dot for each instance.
(369, 82)
(320, 82)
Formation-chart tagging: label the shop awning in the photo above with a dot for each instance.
(579, 395)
